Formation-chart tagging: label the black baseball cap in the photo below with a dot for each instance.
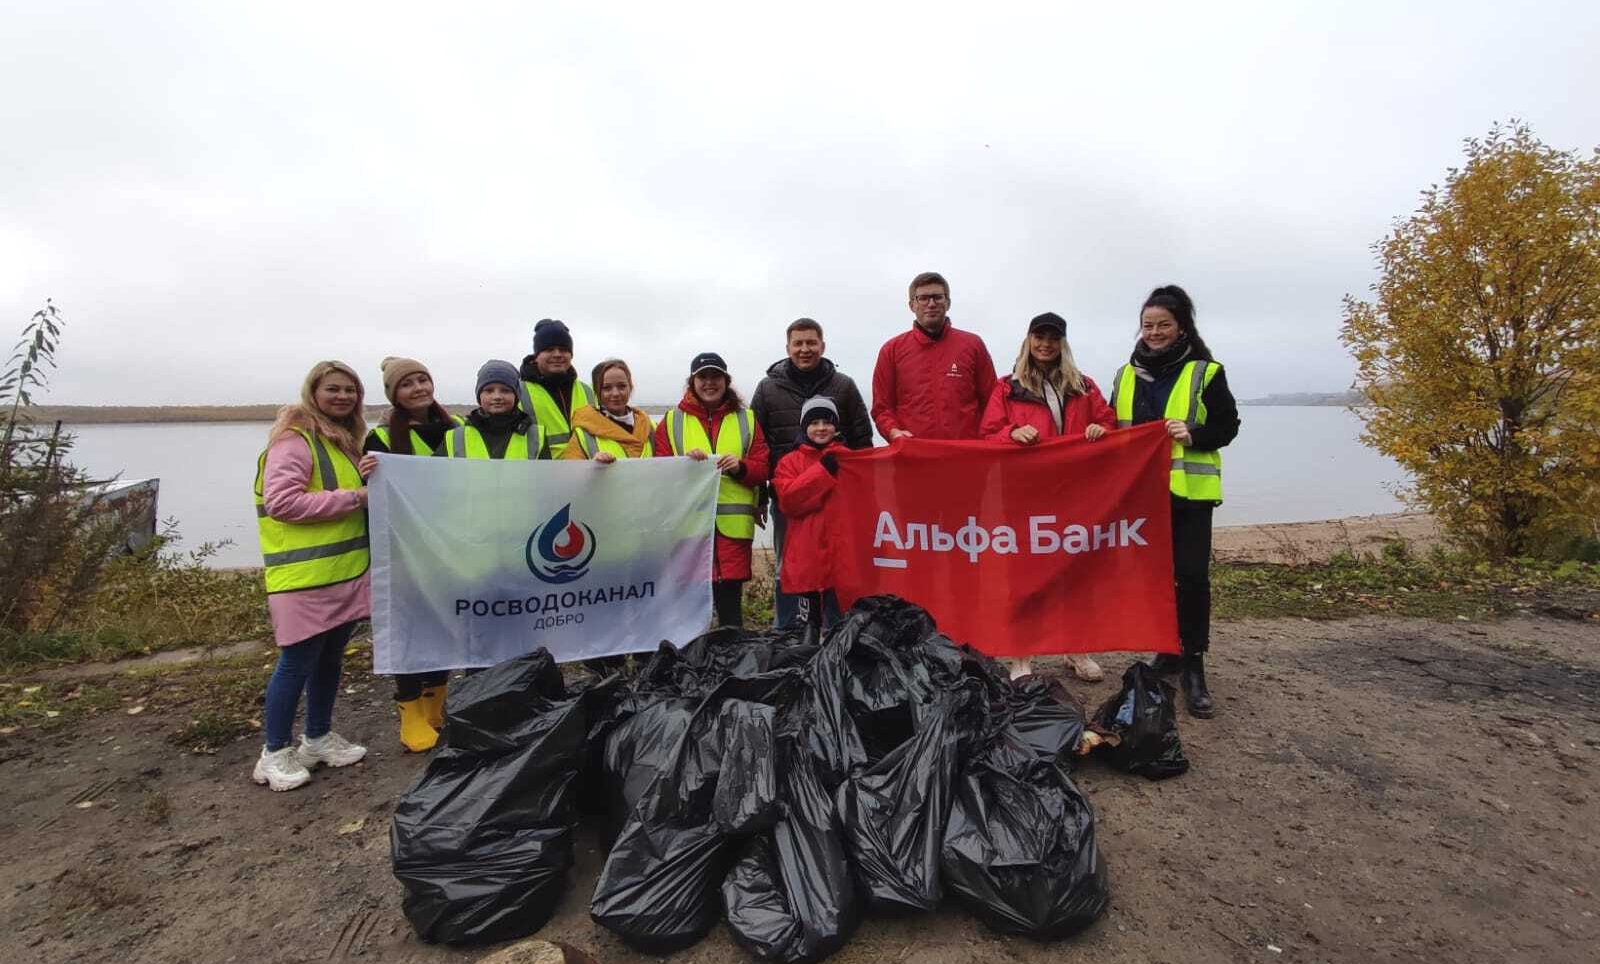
(1049, 320)
(707, 359)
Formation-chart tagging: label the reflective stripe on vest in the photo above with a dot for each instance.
(557, 425)
(1195, 474)
(418, 446)
(736, 502)
(466, 442)
(590, 443)
(305, 555)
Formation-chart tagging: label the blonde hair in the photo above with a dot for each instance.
(347, 432)
(1065, 377)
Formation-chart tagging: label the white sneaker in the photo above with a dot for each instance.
(1020, 667)
(1085, 668)
(280, 769)
(331, 748)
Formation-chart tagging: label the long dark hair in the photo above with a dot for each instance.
(399, 422)
(1177, 301)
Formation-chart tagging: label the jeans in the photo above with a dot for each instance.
(1191, 572)
(817, 605)
(785, 606)
(313, 665)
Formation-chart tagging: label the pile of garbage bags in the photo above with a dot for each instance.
(787, 787)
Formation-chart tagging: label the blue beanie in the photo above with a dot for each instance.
(495, 371)
(551, 333)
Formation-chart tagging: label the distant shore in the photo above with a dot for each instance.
(159, 414)
(177, 414)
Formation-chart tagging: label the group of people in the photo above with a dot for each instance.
(776, 455)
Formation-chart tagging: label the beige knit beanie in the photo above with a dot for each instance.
(394, 372)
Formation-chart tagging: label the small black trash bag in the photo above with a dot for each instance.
(791, 897)
(1143, 719)
(482, 841)
(1047, 719)
(1019, 849)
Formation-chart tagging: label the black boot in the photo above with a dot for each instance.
(1194, 687)
(1166, 664)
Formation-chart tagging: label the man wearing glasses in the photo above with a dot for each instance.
(931, 381)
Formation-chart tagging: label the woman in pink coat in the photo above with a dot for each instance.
(1044, 397)
(311, 508)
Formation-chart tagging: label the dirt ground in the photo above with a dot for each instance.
(1371, 790)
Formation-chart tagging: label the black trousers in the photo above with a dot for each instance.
(1191, 571)
(727, 598)
(409, 686)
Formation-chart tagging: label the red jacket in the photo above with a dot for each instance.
(810, 541)
(1012, 406)
(731, 560)
(932, 388)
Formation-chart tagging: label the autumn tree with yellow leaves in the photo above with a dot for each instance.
(1480, 352)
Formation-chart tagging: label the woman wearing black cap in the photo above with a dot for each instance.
(712, 422)
(1172, 376)
(1044, 397)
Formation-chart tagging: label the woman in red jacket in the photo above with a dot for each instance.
(804, 481)
(712, 422)
(1045, 396)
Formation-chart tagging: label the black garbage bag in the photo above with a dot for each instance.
(791, 896)
(893, 813)
(482, 841)
(1019, 848)
(876, 679)
(746, 798)
(1143, 721)
(1047, 719)
(658, 888)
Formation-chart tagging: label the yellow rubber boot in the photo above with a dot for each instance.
(415, 733)
(433, 699)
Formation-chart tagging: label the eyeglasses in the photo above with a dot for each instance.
(929, 299)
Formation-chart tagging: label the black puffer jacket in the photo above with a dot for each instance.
(780, 395)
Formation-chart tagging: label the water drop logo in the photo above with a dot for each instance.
(559, 551)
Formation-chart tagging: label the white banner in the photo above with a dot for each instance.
(475, 562)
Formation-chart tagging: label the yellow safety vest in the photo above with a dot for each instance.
(1196, 474)
(557, 424)
(418, 446)
(466, 442)
(589, 443)
(736, 502)
(305, 555)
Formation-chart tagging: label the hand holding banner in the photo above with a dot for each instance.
(1060, 547)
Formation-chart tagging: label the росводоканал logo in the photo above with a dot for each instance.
(559, 551)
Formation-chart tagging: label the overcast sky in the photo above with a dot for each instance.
(218, 194)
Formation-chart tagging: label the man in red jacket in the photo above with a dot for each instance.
(932, 381)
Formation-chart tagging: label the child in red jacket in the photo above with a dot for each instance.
(804, 480)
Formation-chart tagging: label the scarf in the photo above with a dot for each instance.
(1150, 365)
(623, 421)
(807, 382)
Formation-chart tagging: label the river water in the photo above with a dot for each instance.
(1288, 465)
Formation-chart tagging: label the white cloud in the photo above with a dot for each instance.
(218, 195)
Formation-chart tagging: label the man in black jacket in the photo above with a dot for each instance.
(777, 401)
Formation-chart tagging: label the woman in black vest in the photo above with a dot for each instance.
(1168, 341)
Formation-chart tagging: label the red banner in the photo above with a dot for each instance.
(1060, 547)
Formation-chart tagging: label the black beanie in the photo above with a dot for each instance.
(551, 333)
